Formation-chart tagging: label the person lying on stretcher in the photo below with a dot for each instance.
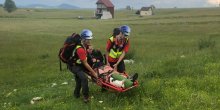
(107, 73)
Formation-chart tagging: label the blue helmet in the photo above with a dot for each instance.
(125, 30)
(86, 34)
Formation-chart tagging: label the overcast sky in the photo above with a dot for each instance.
(123, 3)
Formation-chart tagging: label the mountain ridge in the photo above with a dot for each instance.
(61, 6)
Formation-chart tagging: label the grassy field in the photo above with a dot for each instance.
(176, 54)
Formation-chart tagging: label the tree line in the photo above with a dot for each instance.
(9, 6)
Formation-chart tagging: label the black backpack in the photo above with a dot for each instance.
(66, 52)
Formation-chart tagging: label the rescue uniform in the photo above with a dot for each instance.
(78, 69)
(115, 49)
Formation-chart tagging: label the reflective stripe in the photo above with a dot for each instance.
(111, 39)
(78, 61)
(115, 53)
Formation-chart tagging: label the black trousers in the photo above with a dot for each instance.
(120, 67)
(81, 80)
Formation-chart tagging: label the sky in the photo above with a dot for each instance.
(136, 4)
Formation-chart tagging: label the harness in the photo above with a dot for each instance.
(75, 58)
(116, 50)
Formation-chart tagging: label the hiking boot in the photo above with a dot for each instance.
(86, 99)
(76, 95)
(134, 77)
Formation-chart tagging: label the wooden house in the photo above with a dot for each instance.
(105, 9)
(146, 11)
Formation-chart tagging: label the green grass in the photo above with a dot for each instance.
(174, 71)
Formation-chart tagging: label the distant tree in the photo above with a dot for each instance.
(137, 12)
(128, 7)
(9, 6)
(153, 7)
(1, 5)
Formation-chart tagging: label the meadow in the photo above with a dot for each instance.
(176, 53)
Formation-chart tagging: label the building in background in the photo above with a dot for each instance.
(146, 11)
(105, 9)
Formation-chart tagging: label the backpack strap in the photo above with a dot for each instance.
(125, 43)
(112, 42)
(111, 39)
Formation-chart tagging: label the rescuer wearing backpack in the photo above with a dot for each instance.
(117, 46)
(79, 66)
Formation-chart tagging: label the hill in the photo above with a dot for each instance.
(67, 6)
(61, 6)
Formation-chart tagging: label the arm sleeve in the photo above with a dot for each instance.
(126, 48)
(108, 46)
(81, 53)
